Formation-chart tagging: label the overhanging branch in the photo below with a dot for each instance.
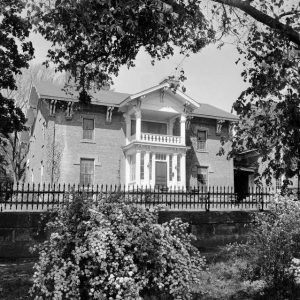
(245, 6)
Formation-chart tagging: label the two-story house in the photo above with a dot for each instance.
(159, 136)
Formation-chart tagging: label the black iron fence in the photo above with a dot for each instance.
(41, 197)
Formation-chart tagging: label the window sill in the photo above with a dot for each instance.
(88, 141)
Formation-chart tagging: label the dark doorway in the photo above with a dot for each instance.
(241, 184)
(161, 173)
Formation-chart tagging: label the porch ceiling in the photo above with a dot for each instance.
(160, 116)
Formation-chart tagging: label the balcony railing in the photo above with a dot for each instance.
(160, 139)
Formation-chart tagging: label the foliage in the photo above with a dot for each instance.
(272, 245)
(224, 280)
(92, 39)
(269, 107)
(15, 52)
(114, 251)
(13, 154)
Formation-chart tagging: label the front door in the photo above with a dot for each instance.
(161, 173)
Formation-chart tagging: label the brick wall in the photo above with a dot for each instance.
(220, 169)
(105, 149)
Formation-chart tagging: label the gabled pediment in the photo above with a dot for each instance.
(160, 98)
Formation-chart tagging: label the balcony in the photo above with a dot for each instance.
(160, 139)
(157, 139)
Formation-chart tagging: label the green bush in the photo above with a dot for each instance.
(114, 250)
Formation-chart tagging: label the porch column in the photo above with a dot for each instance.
(175, 183)
(138, 168)
(128, 128)
(153, 169)
(138, 118)
(146, 169)
(171, 126)
(182, 128)
(127, 171)
(183, 170)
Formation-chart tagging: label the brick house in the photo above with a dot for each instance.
(154, 137)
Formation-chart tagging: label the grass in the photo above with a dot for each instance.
(15, 280)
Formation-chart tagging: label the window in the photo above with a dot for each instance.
(178, 168)
(170, 167)
(202, 177)
(88, 129)
(160, 156)
(142, 169)
(201, 139)
(86, 171)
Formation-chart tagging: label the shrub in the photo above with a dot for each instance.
(272, 245)
(114, 250)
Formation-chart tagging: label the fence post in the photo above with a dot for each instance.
(207, 204)
(261, 200)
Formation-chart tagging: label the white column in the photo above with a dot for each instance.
(138, 123)
(168, 170)
(175, 169)
(128, 128)
(146, 169)
(182, 128)
(171, 126)
(138, 168)
(183, 170)
(153, 169)
(127, 171)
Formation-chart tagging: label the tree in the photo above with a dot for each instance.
(15, 52)
(92, 39)
(269, 107)
(13, 155)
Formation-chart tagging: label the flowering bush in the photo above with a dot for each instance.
(114, 250)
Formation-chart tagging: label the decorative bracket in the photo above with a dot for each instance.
(52, 107)
(69, 110)
(220, 124)
(109, 113)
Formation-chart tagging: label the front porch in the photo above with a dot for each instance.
(155, 166)
(155, 146)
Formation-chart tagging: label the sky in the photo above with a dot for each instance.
(212, 75)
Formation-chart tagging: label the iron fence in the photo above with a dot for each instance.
(41, 197)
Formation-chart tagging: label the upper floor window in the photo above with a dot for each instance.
(88, 129)
(202, 177)
(86, 171)
(201, 140)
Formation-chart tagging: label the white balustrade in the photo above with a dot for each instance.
(160, 139)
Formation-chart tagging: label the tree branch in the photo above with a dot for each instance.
(245, 6)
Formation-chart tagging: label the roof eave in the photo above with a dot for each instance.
(215, 117)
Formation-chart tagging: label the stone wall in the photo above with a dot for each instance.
(19, 231)
(213, 230)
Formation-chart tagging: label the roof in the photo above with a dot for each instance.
(206, 110)
(51, 90)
